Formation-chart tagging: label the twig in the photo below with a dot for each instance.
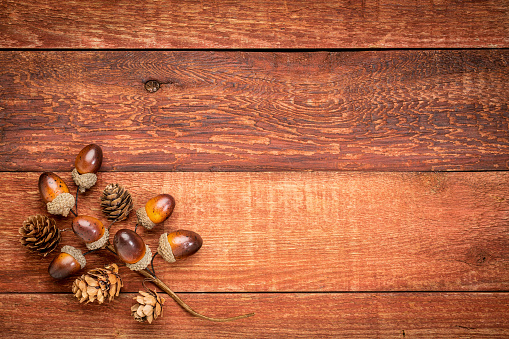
(156, 281)
(186, 307)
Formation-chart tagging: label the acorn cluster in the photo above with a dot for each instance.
(39, 234)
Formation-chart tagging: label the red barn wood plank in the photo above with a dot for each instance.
(235, 111)
(287, 315)
(295, 231)
(254, 24)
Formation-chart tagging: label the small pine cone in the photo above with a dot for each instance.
(116, 202)
(149, 306)
(39, 234)
(98, 284)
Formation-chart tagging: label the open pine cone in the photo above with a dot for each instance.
(98, 284)
(40, 234)
(116, 202)
(149, 306)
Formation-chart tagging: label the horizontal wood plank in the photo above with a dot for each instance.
(257, 111)
(295, 231)
(405, 315)
(254, 24)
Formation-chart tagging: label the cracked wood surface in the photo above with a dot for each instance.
(237, 24)
(257, 111)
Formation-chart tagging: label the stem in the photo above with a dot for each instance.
(146, 273)
(90, 251)
(152, 264)
(114, 221)
(76, 200)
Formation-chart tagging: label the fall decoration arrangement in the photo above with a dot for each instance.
(39, 234)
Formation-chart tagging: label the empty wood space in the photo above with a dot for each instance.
(346, 163)
(254, 24)
(258, 111)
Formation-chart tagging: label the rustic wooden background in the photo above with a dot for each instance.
(346, 163)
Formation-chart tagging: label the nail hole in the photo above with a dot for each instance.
(152, 86)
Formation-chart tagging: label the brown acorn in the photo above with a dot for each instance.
(91, 231)
(51, 186)
(131, 249)
(70, 261)
(55, 194)
(179, 245)
(87, 163)
(89, 160)
(156, 210)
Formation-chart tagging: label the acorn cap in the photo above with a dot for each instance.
(143, 219)
(99, 243)
(143, 263)
(75, 253)
(83, 181)
(62, 204)
(164, 249)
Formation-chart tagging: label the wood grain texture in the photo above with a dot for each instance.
(330, 315)
(257, 111)
(300, 231)
(254, 24)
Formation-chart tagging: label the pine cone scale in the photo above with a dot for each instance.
(148, 307)
(116, 202)
(98, 284)
(40, 234)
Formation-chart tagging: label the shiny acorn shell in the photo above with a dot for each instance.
(89, 159)
(51, 186)
(160, 207)
(129, 246)
(184, 243)
(63, 266)
(89, 229)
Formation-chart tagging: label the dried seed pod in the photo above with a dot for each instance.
(87, 163)
(91, 231)
(131, 249)
(116, 202)
(98, 285)
(178, 245)
(70, 261)
(55, 194)
(156, 210)
(149, 306)
(39, 234)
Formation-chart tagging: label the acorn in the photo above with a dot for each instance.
(156, 210)
(86, 165)
(131, 249)
(91, 231)
(55, 194)
(178, 245)
(70, 261)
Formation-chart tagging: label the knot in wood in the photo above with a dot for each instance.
(152, 86)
